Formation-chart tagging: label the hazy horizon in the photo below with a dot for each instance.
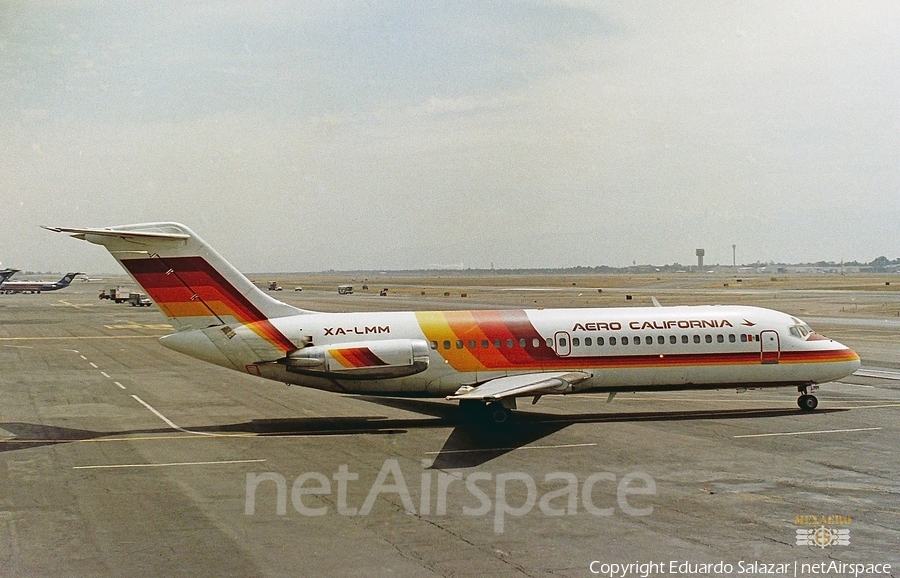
(393, 136)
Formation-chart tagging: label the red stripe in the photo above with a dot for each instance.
(185, 279)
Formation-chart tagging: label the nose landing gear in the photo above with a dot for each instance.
(807, 401)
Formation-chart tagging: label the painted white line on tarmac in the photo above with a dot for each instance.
(119, 384)
(878, 374)
(803, 433)
(92, 364)
(118, 466)
(104, 374)
(171, 423)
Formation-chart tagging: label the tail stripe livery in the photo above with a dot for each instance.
(191, 287)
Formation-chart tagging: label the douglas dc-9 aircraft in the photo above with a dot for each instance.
(36, 286)
(483, 359)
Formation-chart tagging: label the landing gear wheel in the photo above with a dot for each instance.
(498, 414)
(807, 402)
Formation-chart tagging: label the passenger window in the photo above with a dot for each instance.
(472, 344)
(562, 341)
(459, 344)
(720, 338)
(649, 340)
(535, 342)
(522, 342)
(696, 339)
(498, 344)
(485, 343)
(510, 343)
(446, 345)
(588, 341)
(660, 339)
(599, 341)
(743, 338)
(624, 340)
(612, 340)
(709, 338)
(731, 338)
(434, 344)
(549, 342)
(684, 338)
(673, 340)
(576, 342)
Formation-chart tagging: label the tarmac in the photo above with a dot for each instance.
(120, 457)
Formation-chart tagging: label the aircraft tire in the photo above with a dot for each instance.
(807, 402)
(498, 415)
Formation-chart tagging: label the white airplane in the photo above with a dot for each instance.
(483, 359)
(36, 286)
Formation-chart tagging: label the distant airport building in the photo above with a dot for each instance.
(700, 254)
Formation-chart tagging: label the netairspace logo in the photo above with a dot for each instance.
(487, 493)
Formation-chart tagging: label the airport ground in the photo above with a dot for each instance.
(120, 457)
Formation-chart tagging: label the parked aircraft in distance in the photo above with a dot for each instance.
(484, 359)
(36, 286)
(6, 274)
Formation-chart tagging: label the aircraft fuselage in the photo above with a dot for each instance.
(624, 349)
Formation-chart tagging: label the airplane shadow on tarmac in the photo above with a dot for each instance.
(469, 444)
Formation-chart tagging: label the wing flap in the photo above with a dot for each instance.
(523, 385)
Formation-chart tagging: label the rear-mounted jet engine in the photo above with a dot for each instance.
(362, 359)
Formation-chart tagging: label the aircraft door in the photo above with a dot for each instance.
(769, 346)
(562, 343)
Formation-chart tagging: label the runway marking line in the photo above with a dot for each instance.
(802, 433)
(120, 466)
(119, 384)
(169, 422)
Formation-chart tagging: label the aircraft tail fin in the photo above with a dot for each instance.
(189, 281)
(67, 279)
(6, 274)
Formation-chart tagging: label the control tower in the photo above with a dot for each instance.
(700, 254)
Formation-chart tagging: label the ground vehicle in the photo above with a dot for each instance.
(345, 289)
(274, 286)
(139, 300)
(115, 294)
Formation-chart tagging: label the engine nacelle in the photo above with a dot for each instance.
(362, 359)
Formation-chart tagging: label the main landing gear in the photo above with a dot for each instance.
(807, 401)
(495, 413)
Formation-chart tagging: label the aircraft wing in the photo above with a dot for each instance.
(522, 385)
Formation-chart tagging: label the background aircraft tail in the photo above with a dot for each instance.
(6, 274)
(189, 281)
(67, 279)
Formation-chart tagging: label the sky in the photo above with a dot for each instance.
(317, 135)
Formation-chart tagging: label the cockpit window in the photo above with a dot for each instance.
(800, 330)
